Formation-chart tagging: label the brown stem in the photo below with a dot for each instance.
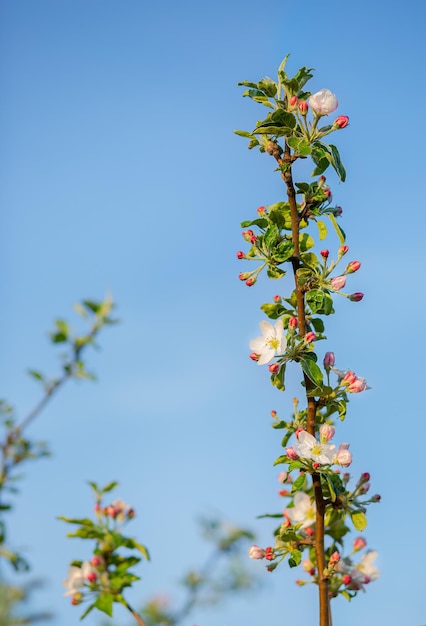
(324, 603)
(133, 612)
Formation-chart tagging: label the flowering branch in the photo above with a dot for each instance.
(14, 447)
(319, 506)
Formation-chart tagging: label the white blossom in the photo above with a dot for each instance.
(271, 342)
(303, 511)
(307, 447)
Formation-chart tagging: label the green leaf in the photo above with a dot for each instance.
(305, 242)
(359, 520)
(104, 603)
(131, 543)
(278, 379)
(340, 233)
(299, 483)
(312, 371)
(280, 215)
(243, 133)
(268, 86)
(300, 146)
(318, 324)
(273, 311)
(295, 558)
(92, 306)
(280, 459)
(84, 521)
(35, 374)
(331, 491)
(271, 236)
(337, 163)
(278, 123)
(315, 300)
(87, 611)
(109, 487)
(247, 83)
(283, 251)
(322, 229)
(275, 272)
(260, 221)
(258, 96)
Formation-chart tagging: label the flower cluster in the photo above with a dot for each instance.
(103, 578)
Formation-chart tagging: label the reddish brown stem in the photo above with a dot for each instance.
(324, 602)
(137, 617)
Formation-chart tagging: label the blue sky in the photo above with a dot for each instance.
(120, 172)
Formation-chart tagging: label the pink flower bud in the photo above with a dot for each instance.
(96, 561)
(77, 598)
(309, 531)
(334, 559)
(326, 189)
(324, 254)
(274, 414)
(247, 234)
(256, 553)
(298, 431)
(293, 102)
(261, 211)
(240, 255)
(375, 498)
(92, 577)
(364, 488)
(352, 267)
(243, 275)
(323, 102)
(253, 239)
(359, 543)
(274, 368)
(277, 299)
(308, 566)
(329, 360)
(269, 554)
(347, 579)
(326, 432)
(291, 453)
(341, 122)
(338, 283)
(346, 477)
(365, 476)
(349, 378)
(303, 107)
(282, 477)
(254, 356)
(357, 386)
(338, 210)
(250, 281)
(292, 322)
(343, 456)
(342, 250)
(98, 508)
(310, 337)
(356, 297)
(284, 492)
(316, 465)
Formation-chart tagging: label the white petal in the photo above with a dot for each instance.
(257, 345)
(266, 356)
(266, 329)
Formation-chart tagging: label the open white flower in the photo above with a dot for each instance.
(77, 576)
(303, 511)
(307, 447)
(271, 342)
(366, 565)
